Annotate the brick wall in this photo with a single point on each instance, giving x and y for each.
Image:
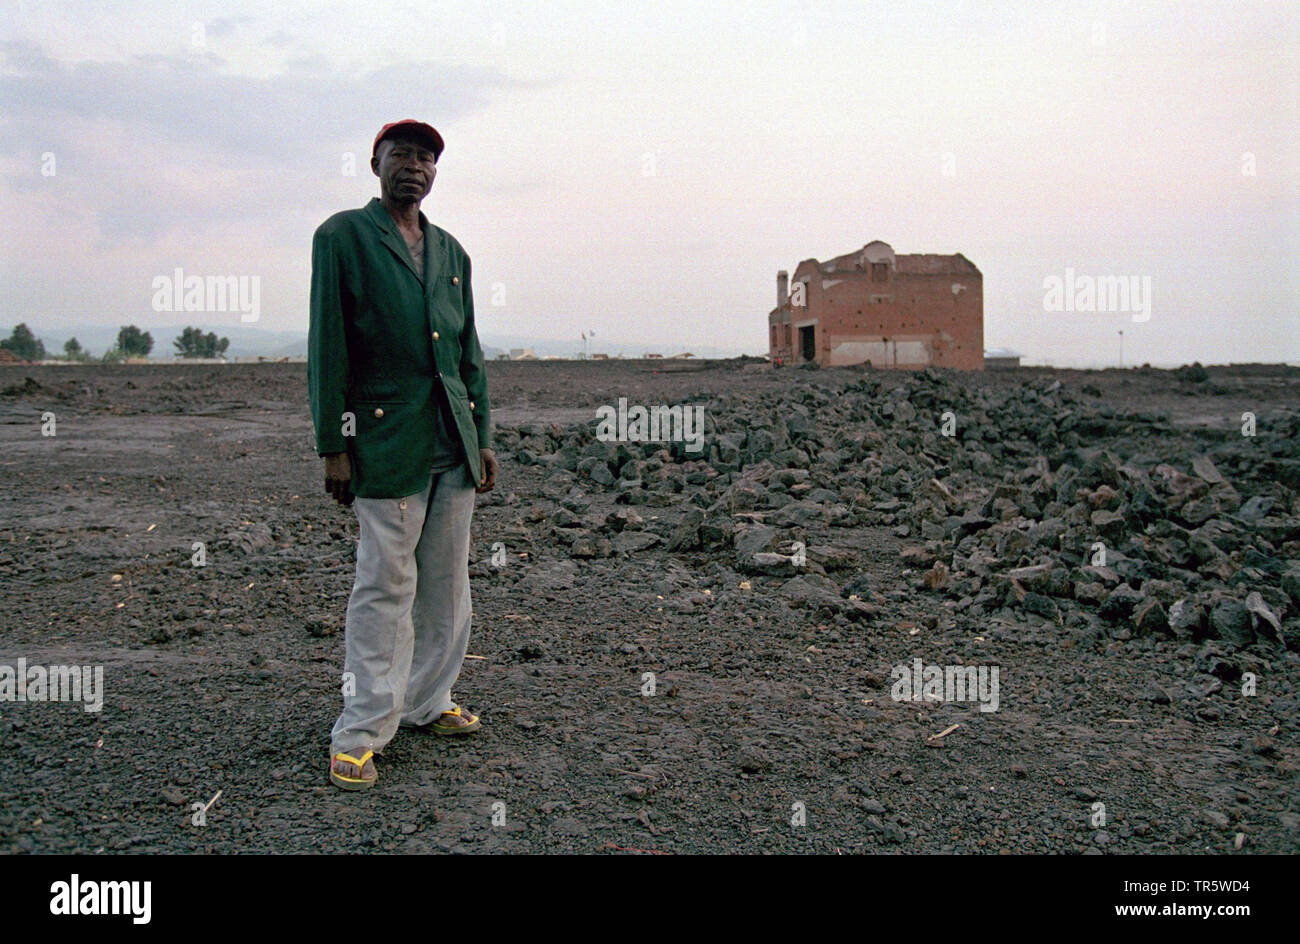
(890, 318)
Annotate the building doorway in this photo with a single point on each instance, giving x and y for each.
(807, 343)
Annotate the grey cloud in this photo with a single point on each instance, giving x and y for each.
(24, 56)
(286, 133)
(188, 99)
(225, 25)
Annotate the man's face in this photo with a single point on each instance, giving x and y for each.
(404, 165)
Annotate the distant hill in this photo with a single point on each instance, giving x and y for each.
(548, 347)
(251, 341)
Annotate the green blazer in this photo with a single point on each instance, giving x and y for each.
(384, 345)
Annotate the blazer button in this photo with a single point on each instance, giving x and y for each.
(471, 404)
(435, 335)
(379, 412)
(455, 280)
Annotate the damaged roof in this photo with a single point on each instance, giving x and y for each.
(918, 263)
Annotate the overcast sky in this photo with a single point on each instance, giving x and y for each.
(643, 170)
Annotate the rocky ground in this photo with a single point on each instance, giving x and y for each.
(1123, 546)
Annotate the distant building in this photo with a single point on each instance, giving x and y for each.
(9, 357)
(600, 357)
(653, 356)
(873, 305)
(999, 357)
(522, 354)
(680, 357)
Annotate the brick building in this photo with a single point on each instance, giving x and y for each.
(915, 310)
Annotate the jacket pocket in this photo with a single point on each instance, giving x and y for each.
(379, 421)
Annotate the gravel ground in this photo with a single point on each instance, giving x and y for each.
(829, 533)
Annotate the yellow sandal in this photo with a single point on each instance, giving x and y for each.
(353, 783)
(471, 723)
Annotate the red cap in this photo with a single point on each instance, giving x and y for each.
(429, 131)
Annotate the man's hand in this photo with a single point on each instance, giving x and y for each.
(490, 469)
(338, 475)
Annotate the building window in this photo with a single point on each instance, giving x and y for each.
(880, 271)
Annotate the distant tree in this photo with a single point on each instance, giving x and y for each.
(22, 343)
(73, 351)
(192, 342)
(133, 342)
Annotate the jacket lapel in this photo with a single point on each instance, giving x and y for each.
(433, 255)
(392, 238)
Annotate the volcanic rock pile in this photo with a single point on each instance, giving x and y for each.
(1030, 498)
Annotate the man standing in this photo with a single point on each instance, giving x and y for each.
(400, 406)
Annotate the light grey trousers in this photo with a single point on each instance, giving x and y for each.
(408, 616)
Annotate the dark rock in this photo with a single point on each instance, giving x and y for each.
(1217, 819)
(1120, 603)
(716, 533)
(1231, 622)
(1156, 694)
(624, 519)
(1041, 605)
(800, 513)
(753, 539)
(958, 528)
(816, 592)
(550, 576)
(1090, 593)
(1255, 508)
(1047, 533)
(1213, 660)
(597, 470)
(916, 555)
(1187, 618)
(769, 563)
(1149, 617)
(753, 759)
(1108, 524)
(630, 542)
(686, 535)
(588, 545)
(1264, 621)
(1291, 581)
(251, 539)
